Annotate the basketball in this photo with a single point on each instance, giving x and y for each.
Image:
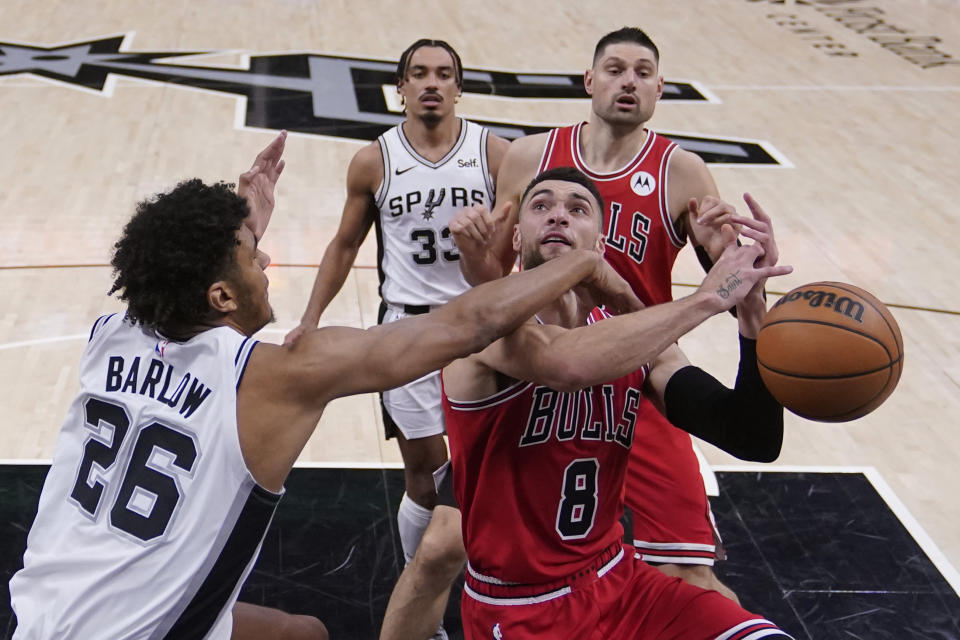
(830, 351)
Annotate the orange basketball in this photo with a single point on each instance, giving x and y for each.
(830, 351)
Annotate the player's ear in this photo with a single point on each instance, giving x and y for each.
(601, 244)
(221, 297)
(516, 238)
(588, 81)
(659, 87)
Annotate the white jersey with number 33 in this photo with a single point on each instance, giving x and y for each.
(149, 520)
(417, 258)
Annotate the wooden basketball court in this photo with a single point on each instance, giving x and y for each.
(855, 102)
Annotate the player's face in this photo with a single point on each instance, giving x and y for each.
(250, 284)
(430, 87)
(557, 216)
(624, 84)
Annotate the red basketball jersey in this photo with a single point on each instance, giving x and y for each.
(664, 488)
(538, 475)
(642, 243)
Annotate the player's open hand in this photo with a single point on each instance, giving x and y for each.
(473, 227)
(294, 334)
(257, 185)
(741, 269)
(760, 230)
(705, 218)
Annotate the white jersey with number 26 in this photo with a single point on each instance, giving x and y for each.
(149, 520)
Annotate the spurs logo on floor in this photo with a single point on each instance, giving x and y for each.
(329, 95)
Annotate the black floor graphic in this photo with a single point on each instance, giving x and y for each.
(821, 554)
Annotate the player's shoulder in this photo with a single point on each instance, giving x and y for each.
(366, 167)
(684, 163)
(368, 157)
(528, 149)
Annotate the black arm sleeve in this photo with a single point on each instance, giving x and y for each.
(745, 421)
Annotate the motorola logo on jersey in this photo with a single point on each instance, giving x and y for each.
(642, 183)
(333, 95)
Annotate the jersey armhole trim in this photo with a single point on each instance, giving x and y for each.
(547, 151)
(498, 398)
(384, 189)
(243, 357)
(100, 322)
(485, 166)
(665, 217)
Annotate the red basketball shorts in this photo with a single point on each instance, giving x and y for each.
(625, 598)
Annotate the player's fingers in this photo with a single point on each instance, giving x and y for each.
(483, 225)
(728, 235)
(503, 210)
(754, 234)
(774, 271)
(471, 231)
(755, 209)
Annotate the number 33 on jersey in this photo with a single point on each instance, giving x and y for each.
(418, 261)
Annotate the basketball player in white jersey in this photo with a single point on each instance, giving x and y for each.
(408, 185)
(173, 455)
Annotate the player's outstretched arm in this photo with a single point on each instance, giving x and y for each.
(285, 388)
(359, 212)
(571, 359)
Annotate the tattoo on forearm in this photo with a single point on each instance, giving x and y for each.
(732, 282)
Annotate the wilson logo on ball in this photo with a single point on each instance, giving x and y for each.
(847, 306)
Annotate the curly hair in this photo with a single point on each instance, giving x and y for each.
(173, 248)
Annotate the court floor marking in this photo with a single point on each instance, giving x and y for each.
(899, 509)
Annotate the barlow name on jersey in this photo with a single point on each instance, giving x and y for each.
(146, 384)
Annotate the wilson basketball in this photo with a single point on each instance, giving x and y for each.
(830, 351)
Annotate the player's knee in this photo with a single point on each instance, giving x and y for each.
(301, 627)
(423, 493)
(441, 553)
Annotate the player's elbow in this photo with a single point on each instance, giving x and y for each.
(764, 442)
(565, 375)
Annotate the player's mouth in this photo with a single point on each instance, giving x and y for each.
(556, 238)
(431, 99)
(627, 101)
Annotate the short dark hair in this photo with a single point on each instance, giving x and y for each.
(567, 174)
(427, 42)
(173, 248)
(626, 34)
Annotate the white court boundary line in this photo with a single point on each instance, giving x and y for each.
(913, 527)
(30, 343)
(899, 509)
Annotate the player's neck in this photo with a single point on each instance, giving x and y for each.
(567, 311)
(182, 334)
(606, 148)
(433, 141)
